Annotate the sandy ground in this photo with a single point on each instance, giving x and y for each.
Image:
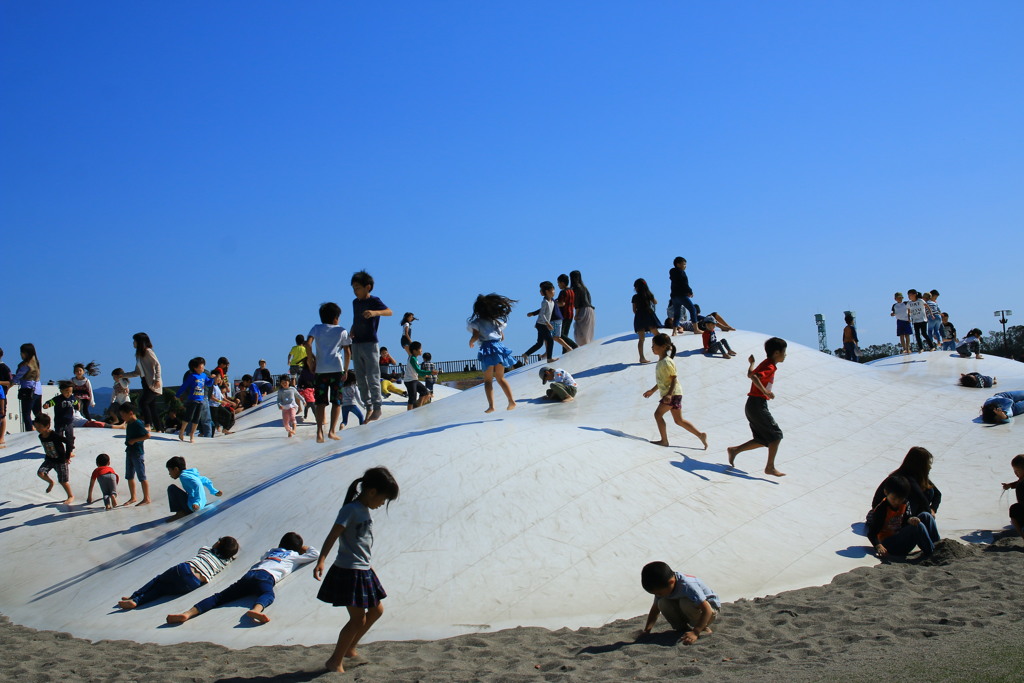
(956, 617)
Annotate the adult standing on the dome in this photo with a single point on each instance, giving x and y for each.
(30, 386)
(584, 309)
(147, 368)
(680, 294)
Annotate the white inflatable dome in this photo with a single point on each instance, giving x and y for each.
(539, 516)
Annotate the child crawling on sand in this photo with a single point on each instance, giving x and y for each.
(686, 601)
(187, 576)
(259, 581)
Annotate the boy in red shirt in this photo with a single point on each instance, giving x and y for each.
(108, 481)
(765, 430)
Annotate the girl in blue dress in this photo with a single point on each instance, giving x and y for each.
(490, 315)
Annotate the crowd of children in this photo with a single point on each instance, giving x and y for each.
(340, 367)
(931, 327)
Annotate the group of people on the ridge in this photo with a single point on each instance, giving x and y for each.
(921, 316)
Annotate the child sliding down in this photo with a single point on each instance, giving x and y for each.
(187, 576)
(259, 581)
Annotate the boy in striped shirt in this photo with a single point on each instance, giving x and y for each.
(187, 576)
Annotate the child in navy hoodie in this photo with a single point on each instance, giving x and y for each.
(64, 406)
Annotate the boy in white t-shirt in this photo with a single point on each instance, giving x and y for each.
(330, 363)
(902, 315)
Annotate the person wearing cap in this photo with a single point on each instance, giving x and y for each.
(563, 387)
(407, 330)
(262, 379)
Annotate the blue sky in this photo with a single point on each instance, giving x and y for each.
(210, 172)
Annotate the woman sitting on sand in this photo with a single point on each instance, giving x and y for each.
(916, 467)
(1002, 407)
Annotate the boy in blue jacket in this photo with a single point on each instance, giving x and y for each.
(193, 498)
(195, 384)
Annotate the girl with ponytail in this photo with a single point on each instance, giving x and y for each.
(351, 581)
(671, 391)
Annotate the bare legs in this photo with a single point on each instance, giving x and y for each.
(497, 372)
(335, 416)
(359, 622)
(677, 416)
(131, 491)
(65, 485)
(726, 327)
(640, 343)
(905, 342)
(319, 411)
(773, 448)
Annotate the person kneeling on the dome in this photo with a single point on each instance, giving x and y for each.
(563, 387)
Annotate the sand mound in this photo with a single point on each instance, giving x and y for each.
(954, 622)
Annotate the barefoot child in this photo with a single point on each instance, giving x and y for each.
(644, 317)
(55, 456)
(351, 581)
(414, 376)
(333, 353)
(193, 497)
(763, 427)
(64, 406)
(289, 401)
(490, 315)
(367, 311)
(135, 455)
(686, 601)
(120, 395)
(259, 581)
(187, 576)
(82, 387)
(546, 331)
(901, 311)
(108, 480)
(671, 391)
(1017, 509)
(195, 384)
(712, 344)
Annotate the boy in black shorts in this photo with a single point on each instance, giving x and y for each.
(55, 456)
(763, 427)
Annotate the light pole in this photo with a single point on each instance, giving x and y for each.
(1003, 315)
